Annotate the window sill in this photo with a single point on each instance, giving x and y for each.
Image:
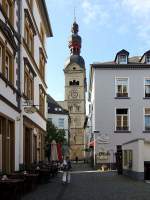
(122, 97)
(122, 131)
(148, 131)
(146, 97)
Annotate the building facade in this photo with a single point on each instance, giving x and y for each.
(58, 116)
(75, 89)
(24, 28)
(9, 84)
(119, 94)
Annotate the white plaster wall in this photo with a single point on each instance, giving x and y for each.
(104, 104)
(137, 148)
(55, 119)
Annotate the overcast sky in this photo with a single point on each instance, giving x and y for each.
(106, 27)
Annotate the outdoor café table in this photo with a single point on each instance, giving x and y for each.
(30, 181)
(10, 189)
(44, 175)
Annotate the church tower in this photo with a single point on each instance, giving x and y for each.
(75, 89)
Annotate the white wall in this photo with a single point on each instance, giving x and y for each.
(138, 153)
(55, 120)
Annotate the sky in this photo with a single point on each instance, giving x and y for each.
(106, 27)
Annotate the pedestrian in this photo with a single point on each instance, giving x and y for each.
(66, 170)
(76, 159)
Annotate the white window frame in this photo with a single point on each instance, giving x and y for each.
(145, 78)
(144, 118)
(1, 57)
(61, 122)
(122, 62)
(128, 119)
(147, 59)
(7, 66)
(116, 89)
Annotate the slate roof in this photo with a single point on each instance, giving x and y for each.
(54, 107)
(75, 59)
(131, 60)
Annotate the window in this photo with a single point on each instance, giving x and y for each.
(9, 9)
(121, 87)
(74, 82)
(29, 34)
(42, 64)
(147, 119)
(28, 83)
(122, 119)
(42, 35)
(7, 65)
(9, 71)
(148, 59)
(127, 161)
(61, 123)
(50, 119)
(42, 100)
(147, 87)
(122, 59)
(1, 55)
(30, 3)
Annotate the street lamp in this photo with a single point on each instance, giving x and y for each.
(95, 132)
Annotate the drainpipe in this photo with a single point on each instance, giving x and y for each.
(20, 81)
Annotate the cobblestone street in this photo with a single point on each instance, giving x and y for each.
(92, 186)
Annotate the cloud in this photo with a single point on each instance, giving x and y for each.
(94, 12)
(138, 7)
(140, 16)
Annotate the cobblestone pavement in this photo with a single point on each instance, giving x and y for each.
(92, 186)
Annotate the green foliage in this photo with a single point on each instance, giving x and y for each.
(53, 133)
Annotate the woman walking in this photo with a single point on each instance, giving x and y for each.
(66, 170)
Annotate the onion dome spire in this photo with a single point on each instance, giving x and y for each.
(75, 40)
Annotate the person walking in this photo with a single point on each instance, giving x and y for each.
(76, 159)
(66, 170)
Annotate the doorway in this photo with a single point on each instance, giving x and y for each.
(28, 145)
(147, 170)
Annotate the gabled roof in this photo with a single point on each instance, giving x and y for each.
(146, 53)
(123, 51)
(54, 107)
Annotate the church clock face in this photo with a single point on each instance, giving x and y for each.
(74, 93)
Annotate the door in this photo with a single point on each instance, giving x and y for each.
(147, 170)
(119, 159)
(0, 144)
(28, 150)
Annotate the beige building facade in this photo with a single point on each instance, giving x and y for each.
(75, 89)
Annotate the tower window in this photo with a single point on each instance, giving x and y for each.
(74, 82)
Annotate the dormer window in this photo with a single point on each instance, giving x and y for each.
(122, 59)
(148, 59)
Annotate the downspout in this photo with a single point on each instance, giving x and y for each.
(20, 82)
